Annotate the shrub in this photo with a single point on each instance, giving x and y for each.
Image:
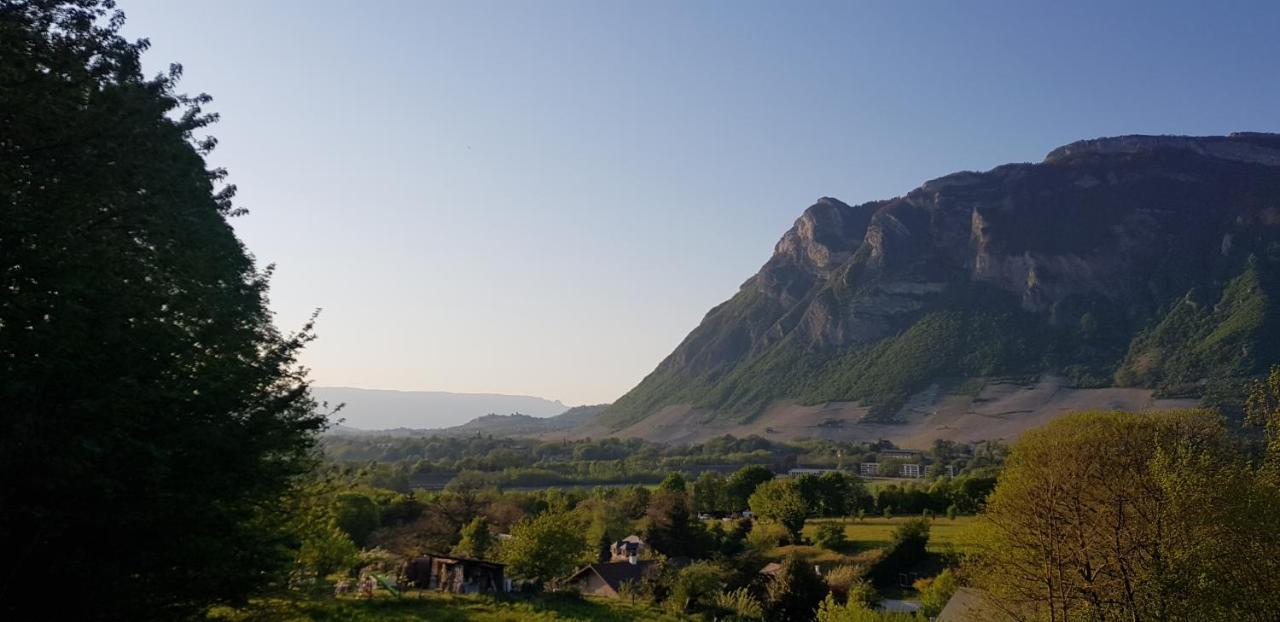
(740, 604)
(767, 535)
(830, 536)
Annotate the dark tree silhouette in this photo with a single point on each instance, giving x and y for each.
(151, 415)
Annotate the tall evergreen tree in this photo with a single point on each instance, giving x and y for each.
(152, 414)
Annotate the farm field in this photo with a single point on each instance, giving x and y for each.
(945, 535)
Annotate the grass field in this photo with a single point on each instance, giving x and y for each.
(945, 535)
(442, 608)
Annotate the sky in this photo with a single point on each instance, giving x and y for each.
(544, 198)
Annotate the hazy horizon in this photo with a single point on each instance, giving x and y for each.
(544, 198)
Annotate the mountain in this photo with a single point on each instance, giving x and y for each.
(372, 409)
(1115, 273)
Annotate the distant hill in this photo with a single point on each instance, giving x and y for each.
(492, 425)
(377, 409)
(524, 425)
(1146, 264)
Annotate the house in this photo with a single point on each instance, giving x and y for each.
(626, 548)
(868, 469)
(608, 579)
(458, 575)
(911, 470)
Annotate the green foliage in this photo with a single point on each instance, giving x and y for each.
(1263, 410)
(935, 592)
(830, 536)
(439, 607)
(323, 548)
(696, 584)
(743, 483)
(740, 604)
(544, 548)
(912, 536)
(477, 541)
(674, 482)
(710, 493)
(139, 367)
(1199, 537)
(357, 515)
(853, 611)
(766, 535)
(831, 494)
(1219, 343)
(794, 592)
(780, 501)
(669, 526)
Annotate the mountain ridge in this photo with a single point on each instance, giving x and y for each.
(1066, 266)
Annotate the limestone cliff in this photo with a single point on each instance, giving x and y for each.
(1143, 260)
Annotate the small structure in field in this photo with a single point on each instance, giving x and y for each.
(457, 575)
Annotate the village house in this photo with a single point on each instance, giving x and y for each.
(457, 575)
(607, 579)
(626, 548)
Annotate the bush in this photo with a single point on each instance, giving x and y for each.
(740, 604)
(766, 535)
(935, 592)
(830, 536)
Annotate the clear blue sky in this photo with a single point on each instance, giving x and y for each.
(545, 197)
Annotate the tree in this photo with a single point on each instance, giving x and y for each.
(139, 366)
(695, 584)
(544, 548)
(794, 592)
(911, 539)
(710, 492)
(1126, 516)
(1262, 409)
(668, 525)
(673, 482)
(357, 515)
(742, 484)
(779, 501)
(477, 541)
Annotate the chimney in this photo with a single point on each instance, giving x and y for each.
(633, 559)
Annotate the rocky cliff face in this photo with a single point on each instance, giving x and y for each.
(1070, 265)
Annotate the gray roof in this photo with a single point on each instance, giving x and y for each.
(964, 606)
(616, 573)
